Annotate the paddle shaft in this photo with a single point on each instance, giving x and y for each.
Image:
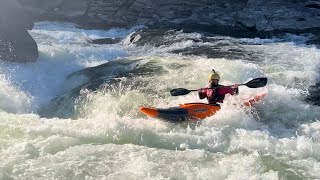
(254, 83)
(216, 87)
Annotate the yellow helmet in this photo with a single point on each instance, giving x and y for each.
(213, 76)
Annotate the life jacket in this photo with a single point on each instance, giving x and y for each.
(217, 93)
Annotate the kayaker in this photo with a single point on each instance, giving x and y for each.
(214, 92)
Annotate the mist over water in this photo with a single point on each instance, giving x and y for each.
(74, 114)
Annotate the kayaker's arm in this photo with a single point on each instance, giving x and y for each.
(201, 94)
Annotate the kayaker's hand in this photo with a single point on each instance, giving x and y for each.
(200, 90)
(236, 85)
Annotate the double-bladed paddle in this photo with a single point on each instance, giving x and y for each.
(254, 83)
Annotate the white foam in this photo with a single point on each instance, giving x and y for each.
(278, 138)
(12, 99)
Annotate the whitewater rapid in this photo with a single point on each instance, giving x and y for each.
(106, 137)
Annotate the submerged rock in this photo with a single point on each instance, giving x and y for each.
(105, 41)
(314, 94)
(201, 45)
(80, 84)
(314, 40)
(314, 91)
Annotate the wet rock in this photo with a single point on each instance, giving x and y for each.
(313, 4)
(314, 94)
(100, 78)
(253, 15)
(217, 47)
(314, 40)
(157, 37)
(105, 41)
(314, 91)
(16, 44)
(18, 47)
(55, 10)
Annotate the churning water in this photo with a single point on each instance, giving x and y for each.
(74, 114)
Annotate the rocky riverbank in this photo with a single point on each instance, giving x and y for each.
(246, 18)
(252, 15)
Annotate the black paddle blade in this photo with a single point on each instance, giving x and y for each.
(179, 92)
(256, 83)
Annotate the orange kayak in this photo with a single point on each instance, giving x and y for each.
(192, 111)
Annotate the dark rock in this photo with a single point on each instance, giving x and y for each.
(16, 44)
(100, 78)
(105, 41)
(253, 15)
(313, 4)
(314, 94)
(314, 40)
(156, 37)
(55, 10)
(215, 52)
(18, 47)
(217, 47)
(13, 16)
(314, 91)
